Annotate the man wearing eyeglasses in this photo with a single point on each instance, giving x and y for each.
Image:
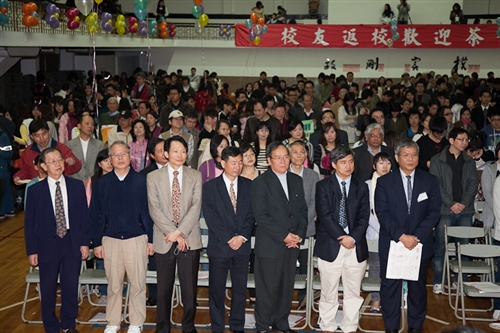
(39, 133)
(457, 176)
(280, 211)
(121, 231)
(363, 155)
(55, 222)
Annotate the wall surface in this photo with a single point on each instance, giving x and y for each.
(249, 62)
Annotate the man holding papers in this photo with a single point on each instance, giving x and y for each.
(407, 203)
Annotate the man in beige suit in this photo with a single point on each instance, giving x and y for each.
(174, 196)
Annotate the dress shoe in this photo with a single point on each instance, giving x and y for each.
(237, 331)
(151, 302)
(193, 331)
(289, 330)
(414, 330)
(391, 331)
(70, 330)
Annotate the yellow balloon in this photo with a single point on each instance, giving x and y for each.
(120, 18)
(256, 41)
(56, 15)
(136, 25)
(110, 21)
(203, 19)
(77, 19)
(98, 1)
(120, 31)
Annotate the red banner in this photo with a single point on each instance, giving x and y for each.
(456, 36)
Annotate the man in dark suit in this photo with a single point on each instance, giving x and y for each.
(157, 155)
(260, 114)
(54, 230)
(350, 82)
(228, 212)
(363, 155)
(408, 206)
(281, 214)
(343, 208)
(480, 114)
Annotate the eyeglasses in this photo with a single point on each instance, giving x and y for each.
(119, 155)
(58, 161)
(463, 139)
(378, 117)
(408, 156)
(281, 158)
(373, 136)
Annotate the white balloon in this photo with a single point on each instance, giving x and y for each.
(84, 6)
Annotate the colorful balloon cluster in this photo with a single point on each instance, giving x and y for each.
(73, 18)
(153, 28)
(120, 24)
(173, 30)
(198, 12)
(163, 29)
(498, 23)
(92, 24)
(143, 28)
(394, 31)
(52, 17)
(225, 30)
(140, 10)
(106, 21)
(4, 17)
(30, 18)
(133, 25)
(257, 30)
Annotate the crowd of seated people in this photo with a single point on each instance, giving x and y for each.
(322, 114)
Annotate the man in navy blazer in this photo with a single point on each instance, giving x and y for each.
(408, 206)
(343, 209)
(57, 249)
(227, 207)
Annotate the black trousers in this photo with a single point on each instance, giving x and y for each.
(187, 264)
(274, 280)
(390, 297)
(67, 266)
(218, 269)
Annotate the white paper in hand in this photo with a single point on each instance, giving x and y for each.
(403, 263)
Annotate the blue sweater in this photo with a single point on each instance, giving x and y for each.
(119, 209)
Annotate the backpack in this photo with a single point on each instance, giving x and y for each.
(38, 97)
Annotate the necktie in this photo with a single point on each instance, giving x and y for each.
(176, 198)
(232, 195)
(408, 187)
(343, 214)
(60, 215)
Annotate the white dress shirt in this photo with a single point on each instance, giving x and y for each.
(284, 184)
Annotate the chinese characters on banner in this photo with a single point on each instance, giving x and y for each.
(464, 36)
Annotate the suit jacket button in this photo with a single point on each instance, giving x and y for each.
(290, 216)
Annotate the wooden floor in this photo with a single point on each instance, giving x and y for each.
(14, 266)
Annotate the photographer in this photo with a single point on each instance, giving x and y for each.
(403, 12)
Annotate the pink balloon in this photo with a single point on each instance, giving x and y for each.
(72, 25)
(172, 34)
(173, 26)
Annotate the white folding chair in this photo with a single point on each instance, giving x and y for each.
(468, 267)
(484, 289)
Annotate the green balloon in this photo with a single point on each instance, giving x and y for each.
(498, 32)
(141, 4)
(395, 37)
(196, 11)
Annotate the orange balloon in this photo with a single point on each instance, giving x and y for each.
(25, 20)
(163, 26)
(197, 2)
(32, 6)
(3, 10)
(163, 34)
(261, 21)
(254, 17)
(26, 9)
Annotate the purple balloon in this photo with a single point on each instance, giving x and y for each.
(106, 16)
(251, 35)
(50, 9)
(143, 24)
(54, 25)
(143, 31)
(228, 33)
(221, 33)
(107, 27)
(58, 11)
(202, 8)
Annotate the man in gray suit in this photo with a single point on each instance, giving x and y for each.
(298, 154)
(174, 197)
(86, 148)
